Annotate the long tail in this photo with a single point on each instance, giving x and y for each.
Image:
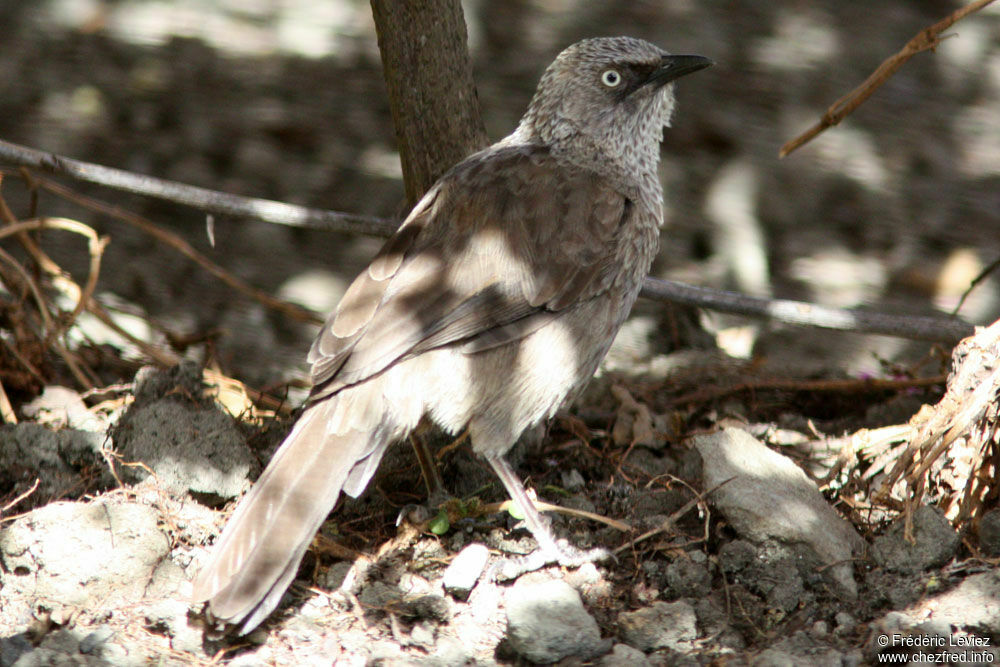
(336, 441)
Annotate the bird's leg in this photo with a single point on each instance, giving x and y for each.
(549, 550)
(436, 493)
(431, 474)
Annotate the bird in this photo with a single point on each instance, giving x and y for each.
(488, 310)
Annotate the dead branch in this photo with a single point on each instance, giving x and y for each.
(209, 201)
(926, 39)
(849, 387)
(938, 329)
(66, 285)
(180, 245)
(7, 415)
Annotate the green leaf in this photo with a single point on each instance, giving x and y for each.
(440, 524)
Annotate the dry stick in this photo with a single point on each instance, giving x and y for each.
(209, 201)
(848, 386)
(699, 499)
(936, 329)
(542, 506)
(95, 246)
(92, 305)
(44, 261)
(926, 39)
(28, 366)
(7, 415)
(958, 425)
(46, 264)
(944, 425)
(36, 293)
(79, 228)
(971, 501)
(181, 246)
(163, 357)
(975, 281)
(11, 504)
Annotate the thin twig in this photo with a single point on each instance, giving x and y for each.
(975, 281)
(44, 261)
(96, 245)
(36, 293)
(542, 506)
(28, 366)
(21, 497)
(926, 39)
(165, 358)
(699, 499)
(182, 246)
(75, 367)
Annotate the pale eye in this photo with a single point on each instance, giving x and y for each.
(611, 78)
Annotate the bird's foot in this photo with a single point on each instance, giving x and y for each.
(563, 553)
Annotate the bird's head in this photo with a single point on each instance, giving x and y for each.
(608, 91)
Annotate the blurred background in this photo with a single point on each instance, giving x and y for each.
(897, 209)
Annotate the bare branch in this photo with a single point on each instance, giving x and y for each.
(926, 39)
(209, 201)
(938, 329)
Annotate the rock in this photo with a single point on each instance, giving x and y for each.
(663, 625)
(572, 480)
(13, 647)
(965, 618)
(764, 495)
(62, 407)
(973, 604)
(97, 638)
(936, 543)
(450, 652)
(714, 619)
(53, 457)
(803, 649)
(465, 569)
(82, 555)
(547, 622)
(165, 608)
(989, 533)
(336, 574)
(79, 646)
(379, 595)
(688, 579)
(188, 446)
(845, 623)
(623, 655)
(770, 570)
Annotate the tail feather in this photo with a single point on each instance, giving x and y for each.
(260, 549)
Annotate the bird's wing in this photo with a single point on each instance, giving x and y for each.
(497, 248)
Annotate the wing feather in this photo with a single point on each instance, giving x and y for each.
(499, 247)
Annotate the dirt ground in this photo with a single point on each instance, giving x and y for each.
(723, 450)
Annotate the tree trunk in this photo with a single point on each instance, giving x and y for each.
(435, 107)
